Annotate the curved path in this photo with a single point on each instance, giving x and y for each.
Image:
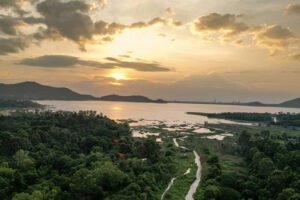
(194, 186)
(169, 186)
(196, 183)
(177, 145)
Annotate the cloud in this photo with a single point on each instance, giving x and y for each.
(16, 5)
(215, 22)
(273, 36)
(12, 45)
(61, 61)
(103, 3)
(165, 21)
(292, 9)
(54, 61)
(104, 28)
(59, 20)
(72, 20)
(8, 25)
(227, 28)
(69, 19)
(51, 61)
(156, 21)
(139, 66)
(275, 32)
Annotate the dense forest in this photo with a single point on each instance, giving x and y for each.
(84, 156)
(283, 119)
(270, 170)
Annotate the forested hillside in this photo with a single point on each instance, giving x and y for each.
(84, 156)
(7, 104)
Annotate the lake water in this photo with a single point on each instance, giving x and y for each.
(170, 112)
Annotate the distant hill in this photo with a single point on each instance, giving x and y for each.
(36, 91)
(254, 103)
(134, 98)
(295, 103)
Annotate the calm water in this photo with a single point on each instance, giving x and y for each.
(161, 112)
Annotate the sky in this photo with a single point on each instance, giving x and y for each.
(196, 50)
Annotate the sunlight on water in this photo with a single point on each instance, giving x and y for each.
(175, 113)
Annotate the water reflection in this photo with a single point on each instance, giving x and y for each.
(162, 112)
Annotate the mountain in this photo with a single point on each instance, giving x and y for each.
(36, 91)
(134, 98)
(295, 103)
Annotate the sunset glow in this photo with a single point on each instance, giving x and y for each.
(193, 50)
(118, 76)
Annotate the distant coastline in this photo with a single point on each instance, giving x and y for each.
(38, 92)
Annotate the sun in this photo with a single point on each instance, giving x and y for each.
(118, 76)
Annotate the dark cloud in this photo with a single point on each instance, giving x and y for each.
(8, 25)
(12, 39)
(139, 66)
(12, 45)
(217, 22)
(51, 61)
(69, 19)
(71, 61)
(59, 61)
(292, 9)
(15, 4)
(32, 20)
(103, 28)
